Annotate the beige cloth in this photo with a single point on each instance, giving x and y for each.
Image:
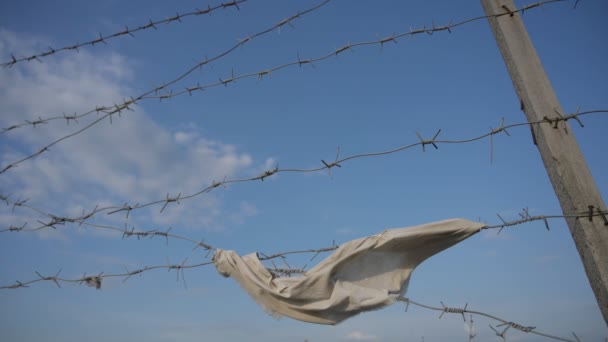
(361, 275)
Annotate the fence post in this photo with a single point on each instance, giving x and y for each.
(563, 159)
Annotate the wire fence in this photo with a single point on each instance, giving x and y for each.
(152, 93)
(54, 220)
(126, 105)
(96, 280)
(503, 323)
(127, 232)
(108, 112)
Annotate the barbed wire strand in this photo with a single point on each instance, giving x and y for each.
(590, 214)
(126, 32)
(525, 217)
(54, 220)
(96, 280)
(462, 311)
(118, 108)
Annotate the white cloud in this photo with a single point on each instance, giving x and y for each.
(246, 210)
(132, 160)
(185, 137)
(360, 336)
(270, 163)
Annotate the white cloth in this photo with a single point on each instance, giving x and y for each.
(361, 275)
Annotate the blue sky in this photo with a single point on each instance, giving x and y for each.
(364, 100)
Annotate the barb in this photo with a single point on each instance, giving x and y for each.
(424, 142)
(153, 94)
(472, 335)
(267, 173)
(59, 219)
(127, 31)
(335, 163)
(108, 111)
(509, 324)
(502, 333)
(496, 131)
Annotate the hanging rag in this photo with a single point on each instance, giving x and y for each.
(361, 275)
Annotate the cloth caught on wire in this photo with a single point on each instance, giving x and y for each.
(361, 275)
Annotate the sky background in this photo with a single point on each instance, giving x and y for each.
(364, 100)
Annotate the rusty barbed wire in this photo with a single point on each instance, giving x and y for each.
(126, 32)
(462, 311)
(54, 219)
(118, 108)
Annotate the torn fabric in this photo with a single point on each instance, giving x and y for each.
(361, 275)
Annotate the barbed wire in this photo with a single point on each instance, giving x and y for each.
(130, 231)
(126, 32)
(525, 217)
(96, 282)
(117, 109)
(126, 105)
(462, 311)
(97, 279)
(54, 219)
